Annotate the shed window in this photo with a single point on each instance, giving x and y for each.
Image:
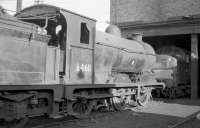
(85, 34)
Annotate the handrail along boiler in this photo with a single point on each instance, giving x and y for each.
(53, 61)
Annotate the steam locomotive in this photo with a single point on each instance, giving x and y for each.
(176, 79)
(53, 61)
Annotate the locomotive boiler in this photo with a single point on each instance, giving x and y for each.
(53, 61)
(121, 56)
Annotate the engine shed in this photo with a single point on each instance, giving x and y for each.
(180, 31)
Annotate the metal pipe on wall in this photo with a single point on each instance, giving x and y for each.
(19, 5)
(194, 66)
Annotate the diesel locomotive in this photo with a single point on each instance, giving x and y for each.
(54, 62)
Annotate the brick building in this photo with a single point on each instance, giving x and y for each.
(162, 23)
(151, 10)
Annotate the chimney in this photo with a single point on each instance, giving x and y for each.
(36, 2)
(19, 6)
(137, 36)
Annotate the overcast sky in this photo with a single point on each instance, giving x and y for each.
(97, 9)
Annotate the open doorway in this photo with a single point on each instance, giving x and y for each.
(178, 46)
(182, 41)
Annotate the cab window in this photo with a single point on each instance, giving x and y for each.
(85, 34)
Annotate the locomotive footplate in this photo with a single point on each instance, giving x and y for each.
(116, 96)
(70, 90)
(143, 84)
(99, 96)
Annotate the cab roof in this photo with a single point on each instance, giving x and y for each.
(45, 10)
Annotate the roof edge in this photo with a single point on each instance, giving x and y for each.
(170, 21)
(56, 8)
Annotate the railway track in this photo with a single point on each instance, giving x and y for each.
(126, 118)
(68, 121)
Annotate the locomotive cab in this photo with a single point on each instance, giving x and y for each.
(54, 25)
(70, 48)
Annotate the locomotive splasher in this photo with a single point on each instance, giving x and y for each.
(55, 65)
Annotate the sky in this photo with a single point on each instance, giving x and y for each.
(96, 9)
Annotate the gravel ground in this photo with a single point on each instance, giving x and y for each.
(139, 117)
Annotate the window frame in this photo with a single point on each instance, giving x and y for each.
(85, 33)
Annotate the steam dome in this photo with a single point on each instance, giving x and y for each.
(114, 30)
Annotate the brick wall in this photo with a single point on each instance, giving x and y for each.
(171, 8)
(151, 10)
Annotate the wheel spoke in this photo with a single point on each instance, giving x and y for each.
(118, 103)
(144, 96)
(80, 109)
(76, 107)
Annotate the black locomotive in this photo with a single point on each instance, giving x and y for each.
(53, 61)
